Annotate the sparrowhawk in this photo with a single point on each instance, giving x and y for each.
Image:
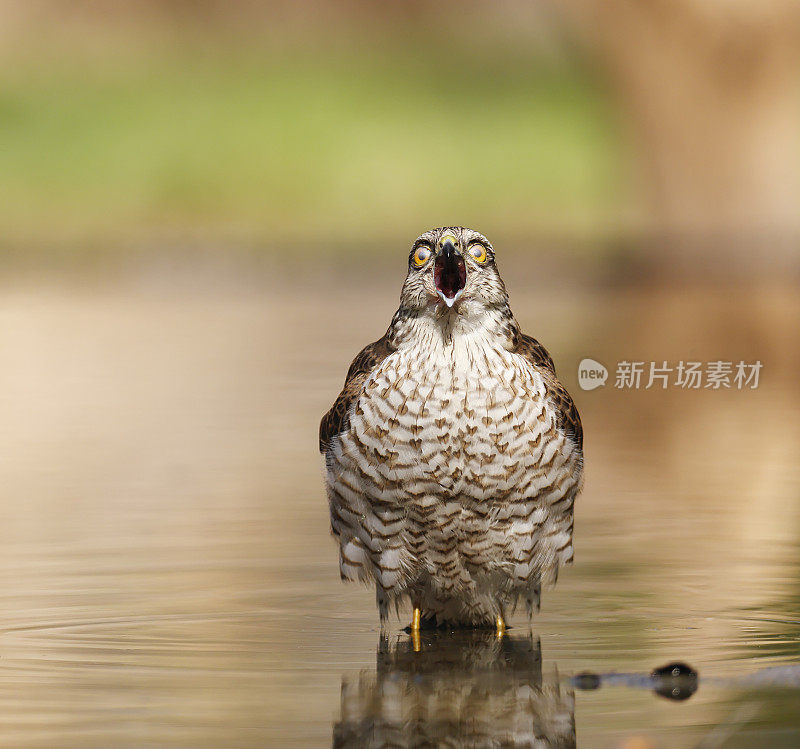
(453, 454)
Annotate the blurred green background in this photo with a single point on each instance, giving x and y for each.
(336, 125)
(161, 122)
(354, 139)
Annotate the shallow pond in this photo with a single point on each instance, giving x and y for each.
(167, 577)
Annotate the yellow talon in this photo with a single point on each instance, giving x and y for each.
(501, 627)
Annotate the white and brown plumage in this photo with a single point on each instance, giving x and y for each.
(453, 454)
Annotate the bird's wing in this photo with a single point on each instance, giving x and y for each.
(534, 352)
(569, 419)
(337, 419)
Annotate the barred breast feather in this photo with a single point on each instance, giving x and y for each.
(452, 467)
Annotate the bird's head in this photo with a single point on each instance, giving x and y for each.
(451, 271)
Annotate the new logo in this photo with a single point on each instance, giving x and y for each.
(591, 374)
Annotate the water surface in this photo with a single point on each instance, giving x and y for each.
(167, 577)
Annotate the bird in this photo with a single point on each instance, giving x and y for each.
(453, 454)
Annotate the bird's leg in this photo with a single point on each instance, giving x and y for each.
(500, 625)
(416, 618)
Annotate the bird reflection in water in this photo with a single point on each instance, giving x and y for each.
(463, 688)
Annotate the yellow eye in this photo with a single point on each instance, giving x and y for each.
(478, 251)
(421, 255)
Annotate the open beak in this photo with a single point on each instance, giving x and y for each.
(449, 272)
